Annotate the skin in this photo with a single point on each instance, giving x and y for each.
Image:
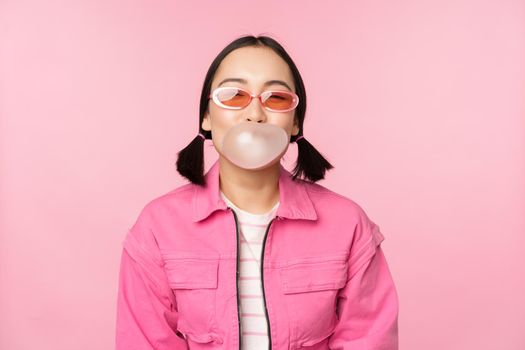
(253, 190)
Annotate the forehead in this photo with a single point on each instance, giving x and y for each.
(255, 64)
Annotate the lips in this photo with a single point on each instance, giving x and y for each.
(252, 145)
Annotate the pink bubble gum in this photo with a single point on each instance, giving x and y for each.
(252, 145)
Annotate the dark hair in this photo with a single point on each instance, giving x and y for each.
(310, 165)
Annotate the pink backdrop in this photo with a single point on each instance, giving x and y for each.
(419, 105)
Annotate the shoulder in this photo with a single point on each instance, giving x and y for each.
(345, 212)
(324, 198)
(170, 203)
(365, 235)
(141, 239)
(157, 212)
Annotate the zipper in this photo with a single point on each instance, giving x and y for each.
(237, 272)
(262, 280)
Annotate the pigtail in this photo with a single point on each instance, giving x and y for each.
(310, 165)
(190, 161)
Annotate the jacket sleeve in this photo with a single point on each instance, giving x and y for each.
(146, 307)
(367, 306)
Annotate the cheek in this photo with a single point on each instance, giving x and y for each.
(220, 117)
(221, 121)
(285, 121)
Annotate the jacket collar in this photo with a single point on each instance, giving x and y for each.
(293, 197)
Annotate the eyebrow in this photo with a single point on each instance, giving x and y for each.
(244, 81)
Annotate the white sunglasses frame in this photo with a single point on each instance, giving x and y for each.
(215, 99)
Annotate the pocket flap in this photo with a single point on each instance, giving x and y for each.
(192, 273)
(309, 277)
(198, 338)
(319, 339)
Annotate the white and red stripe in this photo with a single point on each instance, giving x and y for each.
(253, 319)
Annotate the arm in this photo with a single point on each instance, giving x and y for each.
(146, 307)
(368, 305)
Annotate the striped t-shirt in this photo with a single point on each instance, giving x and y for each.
(252, 228)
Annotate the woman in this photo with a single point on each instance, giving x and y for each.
(250, 255)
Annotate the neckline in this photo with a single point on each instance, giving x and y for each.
(247, 213)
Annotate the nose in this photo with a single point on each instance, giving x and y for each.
(255, 111)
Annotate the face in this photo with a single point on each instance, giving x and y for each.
(256, 65)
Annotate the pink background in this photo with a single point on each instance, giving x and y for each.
(418, 104)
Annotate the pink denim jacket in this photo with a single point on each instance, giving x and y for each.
(326, 283)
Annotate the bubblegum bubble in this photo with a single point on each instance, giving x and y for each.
(251, 145)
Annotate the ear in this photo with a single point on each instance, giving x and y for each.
(206, 124)
(295, 129)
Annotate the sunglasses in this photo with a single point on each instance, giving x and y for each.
(237, 98)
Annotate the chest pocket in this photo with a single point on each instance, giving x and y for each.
(194, 282)
(310, 289)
